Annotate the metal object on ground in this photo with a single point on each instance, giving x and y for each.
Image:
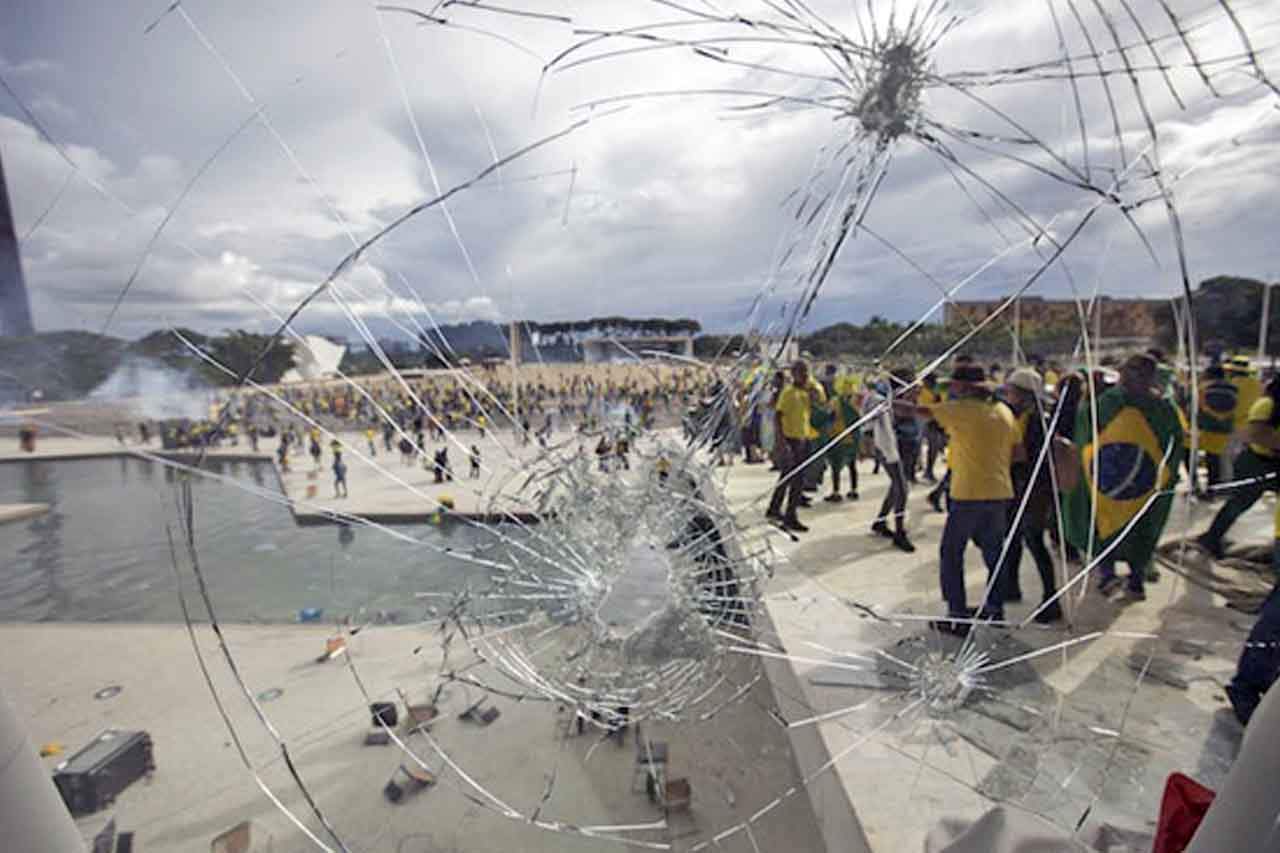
(93, 777)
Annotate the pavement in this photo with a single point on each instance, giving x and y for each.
(201, 788)
(21, 512)
(1082, 734)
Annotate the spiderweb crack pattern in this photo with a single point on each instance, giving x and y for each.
(547, 618)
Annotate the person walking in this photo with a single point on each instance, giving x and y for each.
(1260, 659)
(475, 462)
(1126, 473)
(983, 442)
(339, 475)
(880, 399)
(1256, 469)
(1215, 416)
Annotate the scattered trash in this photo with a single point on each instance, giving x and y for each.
(52, 748)
(333, 647)
(415, 778)
(480, 716)
(270, 693)
(310, 614)
(111, 691)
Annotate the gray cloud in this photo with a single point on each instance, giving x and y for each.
(677, 205)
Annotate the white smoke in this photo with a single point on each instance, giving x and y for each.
(154, 391)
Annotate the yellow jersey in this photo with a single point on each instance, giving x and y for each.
(793, 407)
(982, 437)
(1248, 391)
(1260, 413)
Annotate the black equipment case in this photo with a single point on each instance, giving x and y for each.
(112, 761)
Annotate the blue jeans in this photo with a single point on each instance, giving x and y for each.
(1260, 661)
(984, 522)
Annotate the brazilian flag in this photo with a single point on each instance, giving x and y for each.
(831, 420)
(1138, 448)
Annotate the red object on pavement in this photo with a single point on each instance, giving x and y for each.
(1182, 807)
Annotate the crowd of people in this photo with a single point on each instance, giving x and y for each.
(1089, 458)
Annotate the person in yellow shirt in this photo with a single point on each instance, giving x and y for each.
(934, 438)
(984, 443)
(792, 410)
(1248, 390)
(1256, 469)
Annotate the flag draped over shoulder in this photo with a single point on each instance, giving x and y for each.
(1138, 448)
(832, 420)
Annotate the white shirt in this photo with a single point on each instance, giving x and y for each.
(886, 443)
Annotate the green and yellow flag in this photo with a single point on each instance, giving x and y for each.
(1137, 451)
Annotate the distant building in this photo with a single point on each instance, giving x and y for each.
(15, 307)
(1121, 319)
(597, 350)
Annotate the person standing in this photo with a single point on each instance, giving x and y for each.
(833, 422)
(1127, 471)
(792, 412)
(475, 462)
(1256, 469)
(1215, 416)
(370, 436)
(1033, 493)
(983, 443)
(879, 400)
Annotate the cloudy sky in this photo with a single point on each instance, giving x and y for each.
(270, 136)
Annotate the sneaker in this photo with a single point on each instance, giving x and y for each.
(935, 501)
(833, 499)
(851, 495)
(1049, 615)
(902, 543)
(946, 626)
(773, 514)
(1210, 544)
(794, 525)
(1106, 586)
(1152, 574)
(1135, 593)
(804, 502)
(882, 529)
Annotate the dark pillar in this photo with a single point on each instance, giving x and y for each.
(15, 308)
